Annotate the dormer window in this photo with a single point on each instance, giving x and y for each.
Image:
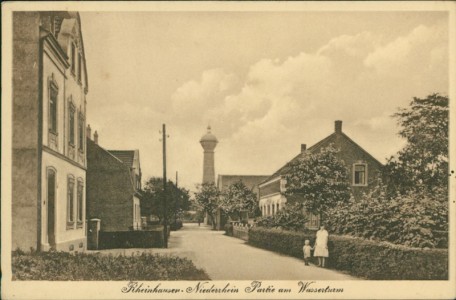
(73, 58)
(360, 174)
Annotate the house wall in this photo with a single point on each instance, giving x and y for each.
(110, 194)
(136, 213)
(68, 238)
(352, 154)
(268, 202)
(36, 63)
(26, 130)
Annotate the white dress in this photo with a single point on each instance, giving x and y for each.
(321, 244)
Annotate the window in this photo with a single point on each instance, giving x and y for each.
(53, 93)
(70, 201)
(359, 174)
(81, 133)
(79, 67)
(80, 202)
(71, 125)
(73, 58)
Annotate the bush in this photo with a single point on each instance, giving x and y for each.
(82, 266)
(359, 257)
(131, 239)
(176, 225)
(417, 219)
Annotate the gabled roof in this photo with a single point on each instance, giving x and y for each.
(126, 156)
(250, 181)
(98, 153)
(332, 138)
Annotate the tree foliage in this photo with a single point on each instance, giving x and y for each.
(424, 160)
(318, 180)
(412, 209)
(418, 218)
(291, 217)
(177, 199)
(237, 198)
(207, 199)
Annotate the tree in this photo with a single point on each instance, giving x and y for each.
(207, 198)
(152, 201)
(318, 180)
(424, 160)
(237, 198)
(417, 218)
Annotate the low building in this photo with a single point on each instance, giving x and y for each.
(364, 172)
(113, 187)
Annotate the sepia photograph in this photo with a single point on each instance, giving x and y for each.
(221, 150)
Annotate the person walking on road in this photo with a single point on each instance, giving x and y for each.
(321, 246)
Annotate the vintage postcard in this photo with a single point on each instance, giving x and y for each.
(228, 150)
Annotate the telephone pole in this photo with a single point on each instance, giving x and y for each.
(165, 217)
(177, 201)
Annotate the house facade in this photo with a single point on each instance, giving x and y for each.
(364, 172)
(50, 86)
(113, 187)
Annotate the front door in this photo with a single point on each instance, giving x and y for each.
(51, 208)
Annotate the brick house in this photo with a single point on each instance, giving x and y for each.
(113, 187)
(364, 172)
(50, 85)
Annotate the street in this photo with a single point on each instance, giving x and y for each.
(229, 258)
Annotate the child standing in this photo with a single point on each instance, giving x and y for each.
(306, 249)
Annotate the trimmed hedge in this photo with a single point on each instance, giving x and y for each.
(359, 257)
(131, 239)
(83, 266)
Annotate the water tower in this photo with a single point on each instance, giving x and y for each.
(208, 142)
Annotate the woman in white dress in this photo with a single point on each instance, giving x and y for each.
(321, 246)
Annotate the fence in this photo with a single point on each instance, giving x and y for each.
(241, 231)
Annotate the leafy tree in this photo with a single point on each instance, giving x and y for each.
(318, 180)
(178, 200)
(418, 218)
(237, 198)
(207, 199)
(424, 160)
(291, 217)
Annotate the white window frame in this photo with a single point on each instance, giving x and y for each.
(365, 174)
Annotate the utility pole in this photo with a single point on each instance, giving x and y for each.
(165, 217)
(177, 201)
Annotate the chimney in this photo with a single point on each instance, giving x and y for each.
(338, 126)
(95, 137)
(89, 132)
(303, 147)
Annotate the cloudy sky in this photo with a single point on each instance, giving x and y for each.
(265, 81)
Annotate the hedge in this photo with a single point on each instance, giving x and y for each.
(131, 239)
(83, 266)
(359, 257)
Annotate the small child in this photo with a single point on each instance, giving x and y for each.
(306, 249)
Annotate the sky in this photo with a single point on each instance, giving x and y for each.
(266, 82)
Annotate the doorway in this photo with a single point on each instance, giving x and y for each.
(51, 207)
